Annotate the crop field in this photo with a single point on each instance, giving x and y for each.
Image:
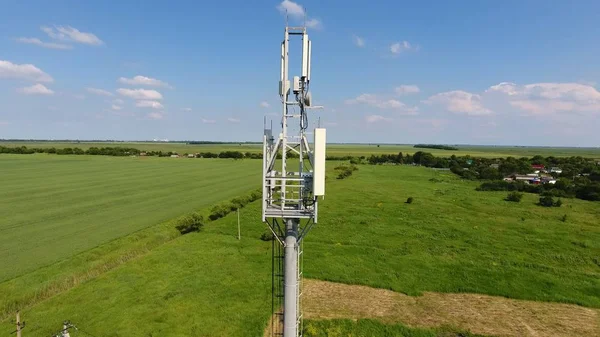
(451, 239)
(334, 149)
(56, 206)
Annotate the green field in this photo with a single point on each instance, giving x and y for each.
(54, 207)
(450, 239)
(336, 149)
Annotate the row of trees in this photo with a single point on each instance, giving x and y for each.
(128, 151)
(435, 146)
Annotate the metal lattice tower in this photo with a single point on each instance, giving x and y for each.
(290, 194)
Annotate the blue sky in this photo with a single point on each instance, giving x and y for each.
(476, 72)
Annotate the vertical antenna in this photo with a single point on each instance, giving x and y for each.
(304, 17)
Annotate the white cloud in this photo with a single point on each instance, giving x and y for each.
(508, 88)
(359, 41)
(400, 47)
(374, 100)
(407, 89)
(23, 72)
(149, 104)
(118, 101)
(291, 8)
(116, 107)
(548, 98)
(155, 115)
(144, 81)
(295, 11)
(140, 94)
(3, 123)
(99, 92)
(377, 118)
(233, 120)
(186, 109)
(313, 23)
(208, 121)
(36, 89)
(461, 102)
(265, 104)
(38, 42)
(68, 33)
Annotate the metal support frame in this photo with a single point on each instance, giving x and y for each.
(287, 193)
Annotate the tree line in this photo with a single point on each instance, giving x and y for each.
(129, 151)
(435, 146)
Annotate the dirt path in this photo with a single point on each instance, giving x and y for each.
(482, 314)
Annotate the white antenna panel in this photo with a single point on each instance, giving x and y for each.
(319, 162)
(309, 54)
(305, 55)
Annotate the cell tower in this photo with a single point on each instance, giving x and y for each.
(291, 191)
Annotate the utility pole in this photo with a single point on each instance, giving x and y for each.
(290, 196)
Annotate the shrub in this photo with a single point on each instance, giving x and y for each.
(514, 197)
(190, 223)
(563, 218)
(345, 171)
(409, 200)
(548, 201)
(267, 236)
(219, 211)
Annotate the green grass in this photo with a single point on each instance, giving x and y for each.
(450, 239)
(54, 207)
(453, 239)
(336, 149)
(372, 328)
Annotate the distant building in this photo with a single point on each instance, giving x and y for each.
(142, 153)
(191, 155)
(556, 170)
(523, 177)
(174, 156)
(538, 167)
(496, 166)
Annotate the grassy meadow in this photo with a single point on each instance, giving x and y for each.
(450, 239)
(333, 149)
(56, 206)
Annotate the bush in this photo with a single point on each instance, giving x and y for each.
(548, 201)
(514, 197)
(190, 223)
(563, 218)
(409, 200)
(267, 236)
(345, 171)
(223, 209)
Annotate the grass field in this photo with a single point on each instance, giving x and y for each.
(338, 149)
(54, 207)
(371, 328)
(450, 239)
